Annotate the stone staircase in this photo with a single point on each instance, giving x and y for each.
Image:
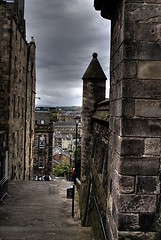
(40, 210)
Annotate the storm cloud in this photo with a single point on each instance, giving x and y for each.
(66, 34)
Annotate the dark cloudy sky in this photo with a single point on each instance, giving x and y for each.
(66, 33)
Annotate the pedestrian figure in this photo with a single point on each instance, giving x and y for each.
(73, 174)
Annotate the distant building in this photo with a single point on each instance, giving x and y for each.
(17, 91)
(60, 155)
(65, 134)
(43, 142)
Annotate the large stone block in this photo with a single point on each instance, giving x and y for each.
(128, 222)
(130, 69)
(148, 222)
(148, 108)
(136, 203)
(132, 147)
(117, 32)
(115, 141)
(141, 89)
(152, 146)
(117, 58)
(150, 31)
(142, 13)
(141, 127)
(142, 50)
(148, 185)
(125, 184)
(128, 107)
(115, 125)
(116, 91)
(116, 108)
(129, 30)
(149, 69)
(133, 166)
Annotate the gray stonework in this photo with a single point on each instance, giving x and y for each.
(136, 126)
(131, 184)
(94, 154)
(17, 91)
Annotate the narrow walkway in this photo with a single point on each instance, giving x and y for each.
(39, 210)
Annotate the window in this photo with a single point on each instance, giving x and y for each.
(42, 122)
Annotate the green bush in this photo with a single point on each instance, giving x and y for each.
(62, 169)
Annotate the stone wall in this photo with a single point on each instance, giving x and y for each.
(95, 212)
(94, 151)
(17, 86)
(30, 109)
(134, 140)
(132, 178)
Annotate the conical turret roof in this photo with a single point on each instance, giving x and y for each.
(94, 70)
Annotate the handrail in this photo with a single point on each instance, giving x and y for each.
(97, 208)
(3, 189)
(100, 218)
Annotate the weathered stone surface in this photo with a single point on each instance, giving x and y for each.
(142, 51)
(18, 88)
(117, 58)
(93, 154)
(144, 31)
(148, 222)
(132, 147)
(116, 91)
(148, 185)
(152, 146)
(142, 13)
(128, 107)
(116, 108)
(128, 222)
(126, 184)
(141, 88)
(141, 127)
(136, 203)
(137, 166)
(135, 121)
(116, 141)
(148, 108)
(149, 70)
(138, 236)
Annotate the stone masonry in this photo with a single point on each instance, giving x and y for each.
(133, 170)
(94, 146)
(17, 88)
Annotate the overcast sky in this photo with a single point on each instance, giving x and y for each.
(66, 34)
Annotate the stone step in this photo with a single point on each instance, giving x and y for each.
(24, 233)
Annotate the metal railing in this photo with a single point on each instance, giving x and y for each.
(100, 219)
(3, 189)
(96, 204)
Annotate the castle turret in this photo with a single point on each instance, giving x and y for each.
(94, 88)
